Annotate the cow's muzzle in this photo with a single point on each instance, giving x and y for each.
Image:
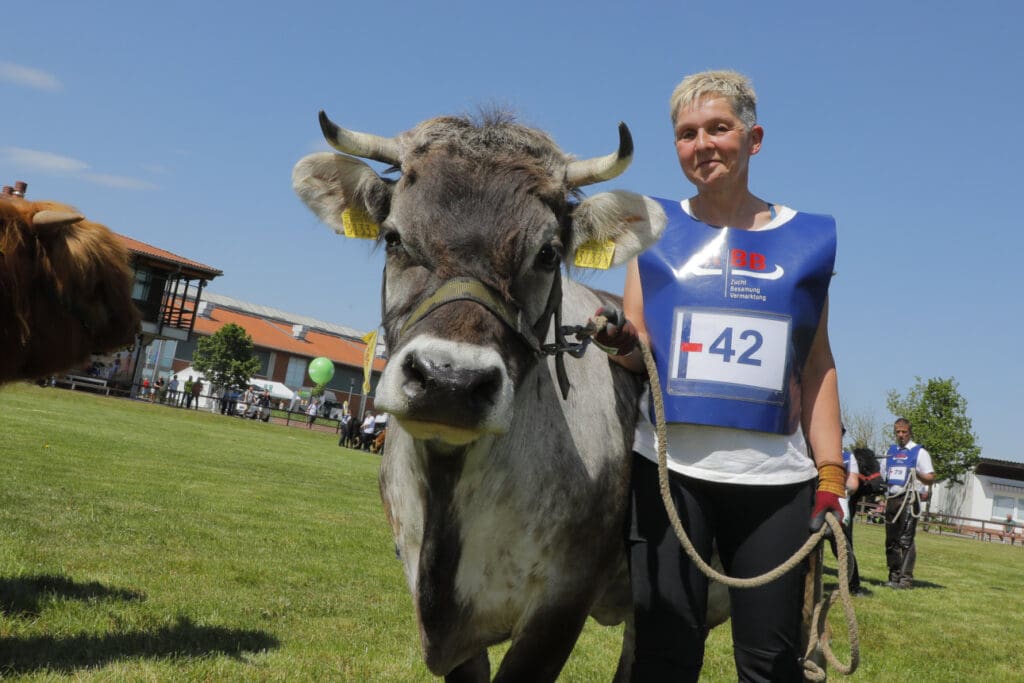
(532, 335)
(448, 391)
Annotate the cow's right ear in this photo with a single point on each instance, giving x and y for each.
(632, 221)
(330, 183)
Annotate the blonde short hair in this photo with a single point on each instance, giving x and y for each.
(731, 85)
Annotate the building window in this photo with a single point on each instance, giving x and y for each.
(264, 358)
(1004, 505)
(143, 281)
(186, 349)
(296, 376)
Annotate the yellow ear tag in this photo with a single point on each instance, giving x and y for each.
(595, 255)
(359, 224)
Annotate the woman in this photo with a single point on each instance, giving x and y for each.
(733, 302)
(311, 412)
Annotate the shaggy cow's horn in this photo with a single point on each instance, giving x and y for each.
(358, 144)
(590, 171)
(52, 218)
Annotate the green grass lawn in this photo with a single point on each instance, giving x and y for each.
(141, 542)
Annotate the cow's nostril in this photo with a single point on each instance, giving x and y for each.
(415, 374)
(485, 385)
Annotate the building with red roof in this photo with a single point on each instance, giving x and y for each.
(285, 344)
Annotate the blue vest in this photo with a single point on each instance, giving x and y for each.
(731, 315)
(898, 464)
(846, 459)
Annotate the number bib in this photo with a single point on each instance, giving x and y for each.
(898, 464)
(731, 315)
(731, 354)
(898, 475)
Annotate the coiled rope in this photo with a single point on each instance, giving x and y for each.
(820, 631)
(910, 493)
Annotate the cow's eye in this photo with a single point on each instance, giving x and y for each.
(548, 257)
(392, 240)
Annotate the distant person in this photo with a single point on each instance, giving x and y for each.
(366, 430)
(907, 466)
(1010, 528)
(343, 428)
(172, 390)
(294, 402)
(852, 484)
(311, 412)
(188, 392)
(264, 403)
(197, 391)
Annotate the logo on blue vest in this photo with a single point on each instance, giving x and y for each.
(708, 261)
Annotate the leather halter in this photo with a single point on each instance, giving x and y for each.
(471, 289)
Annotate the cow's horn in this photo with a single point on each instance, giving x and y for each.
(590, 171)
(53, 218)
(358, 144)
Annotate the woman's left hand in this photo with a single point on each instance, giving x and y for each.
(824, 501)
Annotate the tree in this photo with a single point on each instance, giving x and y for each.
(864, 429)
(226, 357)
(938, 417)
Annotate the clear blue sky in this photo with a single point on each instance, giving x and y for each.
(178, 124)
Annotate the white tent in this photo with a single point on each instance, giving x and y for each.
(185, 373)
(277, 390)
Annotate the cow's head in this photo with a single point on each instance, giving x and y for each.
(476, 230)
(871, 482)
(65, 289)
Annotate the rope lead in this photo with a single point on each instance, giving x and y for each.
(820, 631)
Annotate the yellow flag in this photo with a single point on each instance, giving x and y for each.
(368, 355)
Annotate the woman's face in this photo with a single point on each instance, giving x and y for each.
(713, 147)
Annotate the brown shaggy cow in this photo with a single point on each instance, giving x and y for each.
(65, 289)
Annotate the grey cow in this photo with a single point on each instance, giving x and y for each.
(507, 500)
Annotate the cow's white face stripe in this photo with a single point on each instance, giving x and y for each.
(393, 399)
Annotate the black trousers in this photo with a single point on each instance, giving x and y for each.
(756, 528)
(900, 553)
(854, 569)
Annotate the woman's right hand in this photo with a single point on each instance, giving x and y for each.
(614, 335)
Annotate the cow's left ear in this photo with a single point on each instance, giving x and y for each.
(631, 221)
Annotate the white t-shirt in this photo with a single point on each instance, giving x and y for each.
(725, 455)
(852, 467)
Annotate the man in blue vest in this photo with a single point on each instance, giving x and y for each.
(907, 465)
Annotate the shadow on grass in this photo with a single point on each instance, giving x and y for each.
(184, 639)
(21, 597)
(829, 571)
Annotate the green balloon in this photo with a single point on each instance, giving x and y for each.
(321, 370)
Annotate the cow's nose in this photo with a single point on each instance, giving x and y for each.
(439, 391)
